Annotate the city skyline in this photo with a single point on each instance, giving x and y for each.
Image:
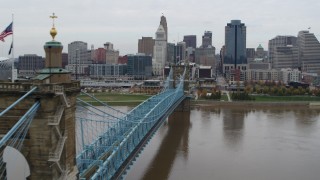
(123, 23)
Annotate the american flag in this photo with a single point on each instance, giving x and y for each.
(6, 32)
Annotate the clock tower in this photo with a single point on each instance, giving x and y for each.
(159, 51)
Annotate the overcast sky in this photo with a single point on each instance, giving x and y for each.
(123, 22)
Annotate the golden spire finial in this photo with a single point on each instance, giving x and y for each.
(53, 31)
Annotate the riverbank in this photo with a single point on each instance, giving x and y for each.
(247, 143)
(117, 99)
(251, 103)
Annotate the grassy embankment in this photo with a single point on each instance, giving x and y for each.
(285, 98)
(268, 98)
(115, 99)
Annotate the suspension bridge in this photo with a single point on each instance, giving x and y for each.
(47, 132)
(95, 142)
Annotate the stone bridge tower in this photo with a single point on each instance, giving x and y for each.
(177, 71)
(50, 144)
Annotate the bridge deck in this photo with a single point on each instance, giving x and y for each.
(110, 153)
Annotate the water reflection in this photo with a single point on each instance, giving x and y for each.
(233, 124)
(235, 143)
(174, 142)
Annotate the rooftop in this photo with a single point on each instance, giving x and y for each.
(53, 71)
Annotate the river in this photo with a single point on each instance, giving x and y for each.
(227, 143)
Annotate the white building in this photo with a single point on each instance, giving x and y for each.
(112, 55)
(280, 41)
(284, 75)
(290, 75)
(262, 74)
(159, 52)
(309, 52)
(285, 57)
(79, 58)
(77, 52)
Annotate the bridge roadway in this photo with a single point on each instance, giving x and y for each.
(109, 156)
(109, 153)
(126, 164)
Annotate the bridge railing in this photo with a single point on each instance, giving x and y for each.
(6, 86)
(131, 141)
(122, 133)
(24, 87)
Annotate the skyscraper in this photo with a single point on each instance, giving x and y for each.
(250, 54)
(205, 56)
(145, 45)
(190, 40)
(111, 54)
(285, 57)
(140, 66)
(207, 39)
(170, 53)
(77, 51)
(163, 22)
(99, 56)
(79, 58)
(309, 52)
(159, 51)
(279, 41)
(179, 52)
(29, 64)
(108, 46)
(235, 46)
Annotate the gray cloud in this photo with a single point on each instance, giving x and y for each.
(123, 22)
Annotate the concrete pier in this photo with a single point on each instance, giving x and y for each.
(49, 146)
(50, 143)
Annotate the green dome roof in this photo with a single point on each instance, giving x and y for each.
(53, 44)
(259, 47)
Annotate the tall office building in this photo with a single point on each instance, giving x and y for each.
(285, 57)
(123, 59)
(179, 52)
(235, 46)
(163, 22)
(6, 69)
(309, 52)
(145, 45)
(190, 40)
(250, 54)
(29, 64)
(64, 59)
(159, 51)
(207, 39)
(79, 58)
(102, 70)
(77, 52)
(112, 55)
(279, 41)
(190, 54)
(205, 56)
(170, 53)
(99, 56)
(108, 46)
(140, 66)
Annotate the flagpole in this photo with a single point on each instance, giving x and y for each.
(12, 65)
